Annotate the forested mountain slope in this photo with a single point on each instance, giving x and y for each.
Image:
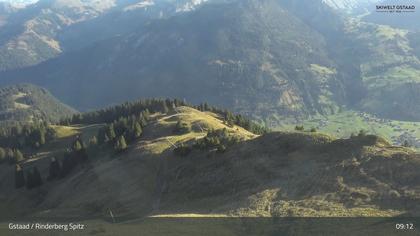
(256, 57)
(28, 103)
(266, 59)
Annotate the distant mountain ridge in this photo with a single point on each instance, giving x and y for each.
(29, 35)
(403, 20)
(241, 55)
(19, 3)
(38, 32)
(266, 59)
(352, 6)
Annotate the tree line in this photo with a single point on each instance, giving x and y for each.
(218, 140)
(74, 156)
(124, 130)
(14, 139)
(117, 133)
(124, 124)
(11, 156)
(231, 119)
(109, 115)
(32, 135)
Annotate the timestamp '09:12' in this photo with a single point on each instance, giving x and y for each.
(409, 226)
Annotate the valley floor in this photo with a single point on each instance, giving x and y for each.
(345, 123)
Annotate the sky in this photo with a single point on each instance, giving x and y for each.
(20, 1)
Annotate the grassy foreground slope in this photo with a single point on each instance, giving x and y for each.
(280, 174)
(110, 180)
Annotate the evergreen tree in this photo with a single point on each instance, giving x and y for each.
(165, 108)
(206, 107)
(229, 118)
(37, 137)
(137, 130)
(50, 134)
(18, 156)
(362, 133)
(221, 148)
(41, 138)
(10, 156)
(111, 132)
(182, 128)
(177, 103)
(93, 141)
(77, 145)
(146, 114)
(14, 156)
(299, 128)
(16, 130)
(120, 145)
(406, 144)
(19, 177)
(2, 155)
(106, 139)
(143, 121)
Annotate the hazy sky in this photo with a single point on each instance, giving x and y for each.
(20, 1)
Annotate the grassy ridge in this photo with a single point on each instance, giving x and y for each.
(279, 174)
